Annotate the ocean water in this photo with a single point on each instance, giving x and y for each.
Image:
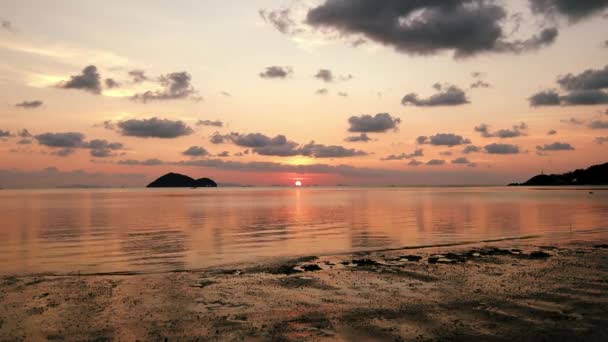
(154, 230)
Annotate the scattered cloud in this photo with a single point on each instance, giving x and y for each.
(196, 151)
(557, 146)
(461, 160)
(358, 138)
(598, 124)
(322, 91)
(64, 140)
(463, 27)
(138, 76)
(327, 76)
(552, 132)
(88, 80)
(590, 87)
(435, 162)
(276, 72)
(417, 153)
(66, 143)
(343, 94)
(8, 26)
(111, 83)
(176, 86)
(414, 162)
(281, 20)
(516, 131)
(447, 96)
(572, 121)
(264, 145)
(574, 10)
(601, 140)
(5, 134)
(216, 138)
(332, 151)
(471, 149)
(443, 139)
(210, 123)
(502, 149)
(381, 122)
(480, 84)
(223, 154)
(29, 104)
(154, 128)
(545, 98)
(53, 177)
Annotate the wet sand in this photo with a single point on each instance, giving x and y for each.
(510, 290)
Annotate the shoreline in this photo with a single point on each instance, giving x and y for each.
(496, 290)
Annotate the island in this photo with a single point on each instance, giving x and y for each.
(176, 180)
(594, 175)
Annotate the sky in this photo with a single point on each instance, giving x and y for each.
(327, 92)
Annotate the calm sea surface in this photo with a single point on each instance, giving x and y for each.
(112, 230)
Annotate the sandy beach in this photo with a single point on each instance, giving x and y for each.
(510, 290)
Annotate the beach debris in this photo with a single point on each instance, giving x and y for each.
(364, 262)
(311, 268)
(539, 255)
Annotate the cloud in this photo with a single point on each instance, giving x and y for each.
(327, 76)
(154, 128)
(332, 151)
(138, 76)
(381, 122)
(471, 149)
(62, 140)
(223, 154)
(358, 138)
(444, 139)
(29, 104)
(601, 140)
(417, 153)
(480, 84)
(281, 20)
(276, 72)
(464, 27)
(435, 162)
(545, 98)
(461, 160)
(574, 10)
(210, 123)
(147, 162)
(322, 91)
(598, 124)
(414, 162)
(196, 151)
(89, 80)
(516, 131)
(8, 26)
(102, 148)
(552, 132)
(502, 149)
(111, 83)
(450, 96)
(264, 145)
(343, 94)
(5, 134)
(572, 121)
(53, 177)
(587, 88)
(216, 138)
(557, 146)
(176, 86)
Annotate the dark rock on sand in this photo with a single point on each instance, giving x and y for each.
(539, 255)
(411, 257)
(311, 268)
(600, 246)
(364, 262)
(176, 180)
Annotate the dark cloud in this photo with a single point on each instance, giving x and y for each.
(5, 134)
(89, 80)
(138, 76)
(601, 140)
(516, 131)
(545, 98)
(264, 145)
(461, 160)
(176, 86)
(450, 96)
(471, 149)
(332, 151)
(154, 128)
(480, 84)
(216, 138)
(101, 148)
(147, 162)
(327, 76)
(24, 141)
(343, 94)
(466, 27)
(196, 151)
(211, 123)
(435, 162)
(598, 124)
(417, 153)
(322, 91)
(111, 83)
(223, 154)
(381, 122)
(502, 149)
(443, 139)
(552, 132)
(446, 153)
(586, 88)
(30, 104)
(61, 140)
(358, 138)
(281, 20)
(557, 146)
(414, 162)
(572, 9)
(276, 72)
(64, 152)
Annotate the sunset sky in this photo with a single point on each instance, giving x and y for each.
(264, 92)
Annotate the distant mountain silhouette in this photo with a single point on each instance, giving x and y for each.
(175, 180)
(594, 175)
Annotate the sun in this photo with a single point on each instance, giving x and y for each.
(298, 183)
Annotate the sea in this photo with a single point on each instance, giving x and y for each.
(92, 231)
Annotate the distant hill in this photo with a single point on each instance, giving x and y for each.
(594, 175)
(175, 180)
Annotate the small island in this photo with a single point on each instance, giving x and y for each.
(594, 175)
(176, 180)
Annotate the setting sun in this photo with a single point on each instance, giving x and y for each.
(298, 183)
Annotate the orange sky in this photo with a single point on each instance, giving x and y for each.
(282, 68)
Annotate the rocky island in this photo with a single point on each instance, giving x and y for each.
(176, 180)
(594, 175)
